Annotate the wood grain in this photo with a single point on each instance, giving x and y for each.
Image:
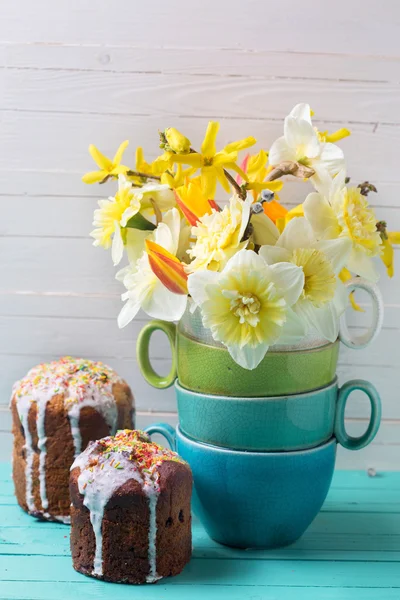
(72, 74)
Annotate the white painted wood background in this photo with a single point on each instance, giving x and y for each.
(75, 72)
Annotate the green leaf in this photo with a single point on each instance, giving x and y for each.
(138, 221)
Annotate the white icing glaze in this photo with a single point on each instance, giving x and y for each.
(97, 484)
(152, 493)
(97, 491)
(23, 411)
(72, 378)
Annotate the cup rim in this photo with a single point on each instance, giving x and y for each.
(181, 388)
(276, 453)
(277, 349)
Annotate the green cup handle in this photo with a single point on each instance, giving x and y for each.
(142, 352)
(346, 440)
(166, 431)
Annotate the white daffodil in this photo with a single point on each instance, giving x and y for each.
(302, 143)
(247, 305)
(144, 288)
(344, 213)
(112, 216)
(323, 297)
(159, 193)
(219, 235)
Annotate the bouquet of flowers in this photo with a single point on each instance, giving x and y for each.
(260, 274)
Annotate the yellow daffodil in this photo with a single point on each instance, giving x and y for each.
(323, 298)
(219, 235)
(344, 212)
(108, 167)
(112, 216)
(247, 305)
(212, 163)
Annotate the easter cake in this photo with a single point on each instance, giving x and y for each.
(57, 409)
(130, 513)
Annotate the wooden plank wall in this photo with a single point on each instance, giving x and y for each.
(76, 72)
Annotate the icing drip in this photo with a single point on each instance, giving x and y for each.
(82, 383)
(109, 463)
(42, 439)
(23, 411)
(152, 494)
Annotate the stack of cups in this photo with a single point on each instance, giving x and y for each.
(261, 443)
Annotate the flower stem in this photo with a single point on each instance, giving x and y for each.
(290, 168)
(144, 175)
(239, 191)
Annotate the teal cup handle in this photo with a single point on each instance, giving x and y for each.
(143, 355)
(166, 431)
(346, 440)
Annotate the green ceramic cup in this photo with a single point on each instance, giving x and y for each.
(283, 423)
(211, 370)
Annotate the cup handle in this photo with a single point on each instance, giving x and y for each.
(165, 430)
(372, 290)
(346, 440)
(142, 352)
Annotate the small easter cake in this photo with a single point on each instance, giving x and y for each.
(57, 409)
(130, 513)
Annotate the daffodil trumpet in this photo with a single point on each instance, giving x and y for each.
(261, 272)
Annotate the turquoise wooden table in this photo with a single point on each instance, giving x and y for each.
(350, 552)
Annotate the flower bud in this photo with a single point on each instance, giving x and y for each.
(176, 142)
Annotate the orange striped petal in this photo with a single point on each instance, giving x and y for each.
(192, 203)
(169, 270)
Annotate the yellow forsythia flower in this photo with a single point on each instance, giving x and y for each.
(108, 167)
(176, 141)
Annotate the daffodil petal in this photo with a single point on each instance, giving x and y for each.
(301, 111)
(321, 216)
(333, 158)
(117, 247)
(362, 265)
(208, 147)
(337, 251)
(163, 304)
(265, 231)
(102, 161)
(323, 319)
(198, 283)
(301, 134)
(281, 151)
(341, 298)
(298, 233)
(128, 312)
(293, 330)
(118, 155)
(289, 279)
(274, 254)
(248, 357)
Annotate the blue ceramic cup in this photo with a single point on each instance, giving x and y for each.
(254, 499)
(277, 423)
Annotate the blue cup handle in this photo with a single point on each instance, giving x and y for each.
(166, 431)
(346, 440)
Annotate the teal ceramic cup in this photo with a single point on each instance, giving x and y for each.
(280, 423)
(254, 499)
